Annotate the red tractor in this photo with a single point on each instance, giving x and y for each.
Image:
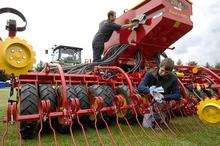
(103, 92)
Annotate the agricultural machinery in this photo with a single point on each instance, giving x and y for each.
(104, 93)
(65, 55)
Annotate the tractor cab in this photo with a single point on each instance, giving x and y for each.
(66, 55)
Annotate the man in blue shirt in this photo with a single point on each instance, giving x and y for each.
(162, 77)
(106, 28)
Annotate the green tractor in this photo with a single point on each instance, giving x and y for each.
(65, 55)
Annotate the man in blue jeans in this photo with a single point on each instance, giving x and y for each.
(160, 78)
(106, 28)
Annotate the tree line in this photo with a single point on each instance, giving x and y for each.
(194, 63)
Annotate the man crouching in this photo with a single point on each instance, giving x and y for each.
(162, 85)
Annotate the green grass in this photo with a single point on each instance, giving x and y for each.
(190, 132)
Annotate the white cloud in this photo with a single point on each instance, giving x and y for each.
(62, 22)
(202, 43)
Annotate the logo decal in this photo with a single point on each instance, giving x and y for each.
(178, 4)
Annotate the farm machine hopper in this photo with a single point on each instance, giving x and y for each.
(104, 93)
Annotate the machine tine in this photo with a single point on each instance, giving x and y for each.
(125, 140)
(139, 124)
(132, 132)
(174, 127)
(110, 134)
(75, 106)
(163, 119)
(157, 109)
(173, 115)
(84, 133)
(201, 124)
(119, 103)
(12, 117)
(187, 123)
(18, 130)
(155, 121)
(97, 131)
(5, 133)
(165, 123)
(71, 133)
(54, 132)
(153, 130)
(39, 132)
(160, 128)
(194, 128)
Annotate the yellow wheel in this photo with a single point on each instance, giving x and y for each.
(16, 56)
(209, 111)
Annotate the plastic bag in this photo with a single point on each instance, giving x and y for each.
(148, 120)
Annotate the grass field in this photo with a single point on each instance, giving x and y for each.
(190, 133)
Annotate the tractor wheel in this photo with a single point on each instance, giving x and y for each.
(47, 92)
(123, 90)
(107, 94)
(77, 91)
(209, 92)
(63, 129)
(80, 92)
(28, 106)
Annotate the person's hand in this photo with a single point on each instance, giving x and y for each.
(158, 97)
(159, 89)
(152, 90)
(134, 24)
(127, 26)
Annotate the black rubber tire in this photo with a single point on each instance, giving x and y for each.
(107, 94)
(80, 92)
(47, 92)
(123, 90)
(28, 106)
(63, 129)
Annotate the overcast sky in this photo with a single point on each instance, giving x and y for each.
(75, 22)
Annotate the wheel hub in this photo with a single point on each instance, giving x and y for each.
(17, 56)
(209, 111)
